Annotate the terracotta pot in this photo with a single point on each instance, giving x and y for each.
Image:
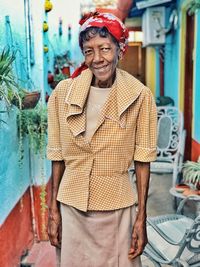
(66, 71)
(30, 100)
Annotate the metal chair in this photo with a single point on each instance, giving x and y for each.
(170, 142)
(174, 239)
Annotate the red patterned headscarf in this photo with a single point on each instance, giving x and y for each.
(113, 25)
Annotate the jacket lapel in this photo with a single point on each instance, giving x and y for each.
(128, 90)
(124, 92)
(76, 100)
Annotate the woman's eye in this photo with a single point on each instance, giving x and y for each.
(105, 49)
(87, 52)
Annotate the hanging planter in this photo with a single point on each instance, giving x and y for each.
(48, 5)
(45, 26)
(66, 70)
(28, 99)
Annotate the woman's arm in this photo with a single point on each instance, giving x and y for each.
(54, 221)
(139, 235)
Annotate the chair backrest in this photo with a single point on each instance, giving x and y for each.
(193, 236)
(174, 238)
(170, 133)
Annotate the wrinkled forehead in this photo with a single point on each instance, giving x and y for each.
(98, 41)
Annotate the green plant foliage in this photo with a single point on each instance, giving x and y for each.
(194, 6)
(60, 76)
(8, 84)
(16, 99)
(33, 124)
(191, 172)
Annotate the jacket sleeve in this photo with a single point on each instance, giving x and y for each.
(54, 149)
(146, 130)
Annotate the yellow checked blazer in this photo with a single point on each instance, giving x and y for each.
(96, 174)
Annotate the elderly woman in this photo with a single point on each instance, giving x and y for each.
(100, 120)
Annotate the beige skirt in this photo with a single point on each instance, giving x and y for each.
(97, 238)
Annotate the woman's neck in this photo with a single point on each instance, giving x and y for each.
(103, 84)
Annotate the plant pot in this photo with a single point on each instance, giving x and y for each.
(29, 100)
(66, 70)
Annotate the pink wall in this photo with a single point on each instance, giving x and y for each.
(195, 150)
(16, 234)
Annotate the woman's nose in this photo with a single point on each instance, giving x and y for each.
(97, 56)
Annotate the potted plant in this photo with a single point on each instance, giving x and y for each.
(191, 173)
(194, 6)
(28, 100)
(33, 124)
(10, 91)
(8, 82)
(57, 78)
(62, 64)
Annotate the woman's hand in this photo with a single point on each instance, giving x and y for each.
(55, 227)
(139, 234)
(54, 221)
(139, 239)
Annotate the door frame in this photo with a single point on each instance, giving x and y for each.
(183, 82)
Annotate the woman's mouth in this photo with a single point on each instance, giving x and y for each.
(102, 69)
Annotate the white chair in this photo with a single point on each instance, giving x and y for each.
(174, 239)
(170, 142)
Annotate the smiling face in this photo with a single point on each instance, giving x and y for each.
(101, 57)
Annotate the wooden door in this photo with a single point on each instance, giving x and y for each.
(134, 61)
(188, 90)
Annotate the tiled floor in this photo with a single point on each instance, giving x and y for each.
(159, 202)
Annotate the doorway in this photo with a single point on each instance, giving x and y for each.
(188, 88)
(134, 61)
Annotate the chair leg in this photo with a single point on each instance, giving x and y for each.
(174, 203)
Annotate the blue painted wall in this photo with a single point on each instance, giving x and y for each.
(58, 44)
(171, 68)
(13, 180)
(197, 81)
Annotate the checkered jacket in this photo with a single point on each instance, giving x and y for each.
(96, 174)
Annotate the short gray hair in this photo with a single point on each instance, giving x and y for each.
(91, 32)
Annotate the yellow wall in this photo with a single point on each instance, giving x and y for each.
(151, 68)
